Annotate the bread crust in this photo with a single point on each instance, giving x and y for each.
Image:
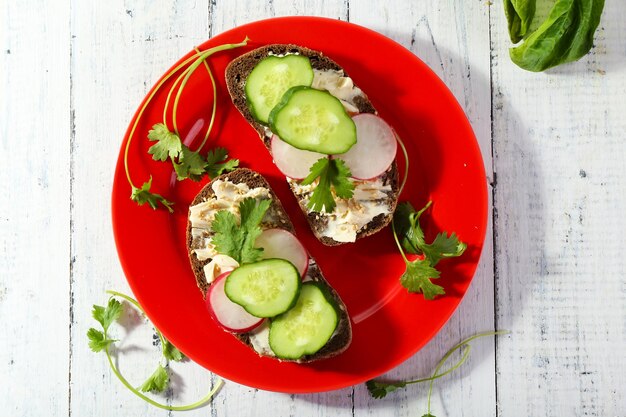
(340, 341)
(236, 74)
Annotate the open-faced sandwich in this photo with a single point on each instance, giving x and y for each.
(324, 135)
(258, 280)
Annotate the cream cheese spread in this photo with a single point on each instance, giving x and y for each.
(350, 215)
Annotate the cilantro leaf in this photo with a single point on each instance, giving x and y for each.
(97, 340)
(417, 278)
(106, 316)
(143, 195)
(171, 352)
(331, 172)
(157, 382)
(428, 415)
(344, 188)
(443, 246)
(378, 389)
(167, 143)
(406, 220)
(216, 163)
(190, 165)
(237, 240)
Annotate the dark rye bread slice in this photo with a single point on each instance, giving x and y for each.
(237, 73)
(342, 337)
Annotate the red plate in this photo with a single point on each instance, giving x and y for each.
(389, 324)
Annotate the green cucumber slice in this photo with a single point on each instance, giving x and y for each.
(269, 80)
(313, 120)
(307, 327)
(264, 289)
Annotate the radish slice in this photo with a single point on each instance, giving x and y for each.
(291, 161)
(374, 150)
(279, 243)
(230, 316)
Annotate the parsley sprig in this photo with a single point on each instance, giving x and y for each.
(100, 341)
(380, 389)
(236, 239)
(410, 238)
(187, 163)
(334, 175)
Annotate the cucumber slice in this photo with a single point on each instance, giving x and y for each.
(264, 289)
(313, 120)
(269, 80)
(307, 327)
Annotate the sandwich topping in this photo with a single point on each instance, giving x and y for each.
(227, 196)
(350, 215)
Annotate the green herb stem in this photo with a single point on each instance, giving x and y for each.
(195, 65)
(214, 110)
(156, 88)
(149, 400)
(169, 96)
(406, 164)
(191, 406)
(462, 344)
(395, 237)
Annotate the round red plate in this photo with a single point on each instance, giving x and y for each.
(389, 324)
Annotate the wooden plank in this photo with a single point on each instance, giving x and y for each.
(236, 399)
(452, 38)
(35, 207)
(560, 161)
(119, 50)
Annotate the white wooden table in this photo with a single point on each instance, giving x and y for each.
(553, 270)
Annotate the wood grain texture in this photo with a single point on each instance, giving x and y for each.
(451, 37)
(119, 49)
(34, 208)
(561, 175)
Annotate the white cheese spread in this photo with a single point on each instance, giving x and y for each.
(218, 265)
(260, 339)
(339, 86)
(350, 215)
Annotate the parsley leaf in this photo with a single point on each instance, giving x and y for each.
(190, 165)
(97, 340)
(157, 382)
(331, 172)
(418, 274)
(168, 143)
(443, 246)
(143, 195)
(379, 389)
(171, 352)
(237, 240)
(216, 163)
(417, 278)
(187, 163)
(106, 316)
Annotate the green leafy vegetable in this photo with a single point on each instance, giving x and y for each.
(187, 163)
(157, 382)
(143, 195)
(236, 239)
(168, 143)
(217, 164)
(410, 239)
(380, 389)
(417, 278)
(331, 173)
(565, 36)
(519, 15)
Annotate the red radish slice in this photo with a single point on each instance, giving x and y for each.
(291, 161)
(279, 243)
(230, 316)
(375, 147)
